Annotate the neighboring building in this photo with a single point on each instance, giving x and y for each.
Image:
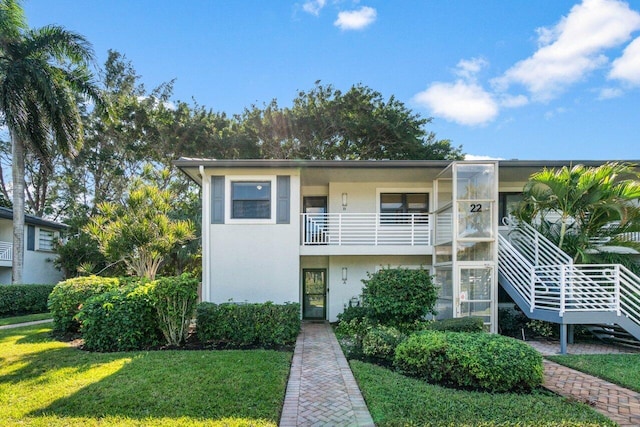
(309, 231)
(39, 237)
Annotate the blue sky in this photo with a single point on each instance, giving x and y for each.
(545, 79)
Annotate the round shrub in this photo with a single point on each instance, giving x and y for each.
(470, 360)
(68, 296)
(380, 342)
(399, 296)
(458, 324)
(174, 299)
(120, 320)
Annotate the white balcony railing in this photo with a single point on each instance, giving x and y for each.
(368, 229)
(6, 251)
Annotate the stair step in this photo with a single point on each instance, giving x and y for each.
(614, 334)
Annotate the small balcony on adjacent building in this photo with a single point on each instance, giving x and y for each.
(6, 254)
(365, 234)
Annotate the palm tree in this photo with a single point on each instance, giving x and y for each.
(42, 73)
(589, 205)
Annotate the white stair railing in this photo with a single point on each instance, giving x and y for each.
(566, 287)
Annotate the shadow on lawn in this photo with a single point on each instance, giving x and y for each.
(172, 384)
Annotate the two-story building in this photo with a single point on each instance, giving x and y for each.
(309, 231)
(39, 253)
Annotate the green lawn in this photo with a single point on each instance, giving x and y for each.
(44, 382)
(396, 400)
(26, 318)
(621, 369)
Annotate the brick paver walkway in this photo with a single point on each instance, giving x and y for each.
(322, 390)
(618, 404)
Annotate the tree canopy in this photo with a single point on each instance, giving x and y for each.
(42, 73)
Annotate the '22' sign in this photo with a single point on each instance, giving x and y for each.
(476, 207)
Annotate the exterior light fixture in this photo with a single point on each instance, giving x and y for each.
(344, 201)
(344, 275)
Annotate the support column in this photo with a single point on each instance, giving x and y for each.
(563, 338)
(571, 332)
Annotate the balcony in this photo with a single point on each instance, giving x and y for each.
(6, 254)
(365, 234)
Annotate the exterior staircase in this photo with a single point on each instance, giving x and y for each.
(546, 285)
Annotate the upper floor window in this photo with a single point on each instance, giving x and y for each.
(395, 206)
(45, 239)
(251, 199)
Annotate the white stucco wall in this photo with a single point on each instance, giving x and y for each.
(357, 267)
(252, 262)
(38, 265)
(363, 197)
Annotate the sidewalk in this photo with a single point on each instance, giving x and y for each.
(322, 390)
(19, 325)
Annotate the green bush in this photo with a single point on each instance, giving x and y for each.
(16, 300)
(120, 320)
(174, 299)
(232, 324)
(398, 296)
(352, 333)
(352, 312)
(470, 360)
(460, 324)
(380, 342)
(67, 298)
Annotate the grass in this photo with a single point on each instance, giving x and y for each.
(26, 318)
(44, 382)
(621, 369)
(396, 400)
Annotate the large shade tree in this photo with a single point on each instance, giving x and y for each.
(43, 72)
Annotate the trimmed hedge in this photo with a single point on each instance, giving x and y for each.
(67, 298)
(120, 320)
(459, 324)
(470, 360)
(17, 300)
(232, 324)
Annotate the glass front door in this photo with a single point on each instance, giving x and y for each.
(314, 294)
(476, 292)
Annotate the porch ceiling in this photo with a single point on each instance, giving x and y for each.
(322, 177)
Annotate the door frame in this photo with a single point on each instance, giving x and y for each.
(304, 294)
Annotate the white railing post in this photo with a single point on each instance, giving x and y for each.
(533, 291)
(562, 290)
(339, 229)
(617, 289)
(413, 224)
(377, 220)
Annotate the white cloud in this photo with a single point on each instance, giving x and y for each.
(627, 67)
(356, 19)
(468, 68)
(481, 157)
(572, 48)
(314, 6)
(462, 102)
(513, 101)
(610, 93)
